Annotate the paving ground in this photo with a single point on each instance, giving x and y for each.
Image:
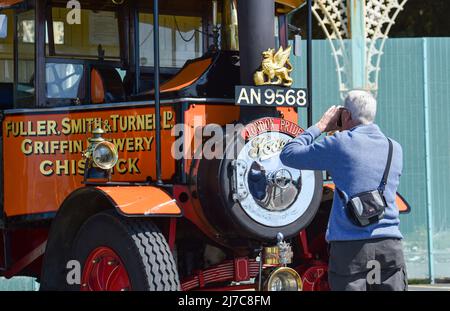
(428, 288)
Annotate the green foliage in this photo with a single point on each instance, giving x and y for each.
(419, 18)
(423, 19)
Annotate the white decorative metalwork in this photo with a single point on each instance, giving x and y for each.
(379, 17)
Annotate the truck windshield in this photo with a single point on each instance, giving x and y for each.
(181, 39)
(94, 35)
(25, 90)
(6, 59)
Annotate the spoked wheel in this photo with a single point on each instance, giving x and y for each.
(120, 254)
(104, 271)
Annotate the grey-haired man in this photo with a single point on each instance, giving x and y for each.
(361, 258)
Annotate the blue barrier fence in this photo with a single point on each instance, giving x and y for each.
(413, 108)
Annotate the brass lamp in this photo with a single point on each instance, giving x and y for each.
(101, 156)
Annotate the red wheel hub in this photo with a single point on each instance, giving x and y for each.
(104, 271)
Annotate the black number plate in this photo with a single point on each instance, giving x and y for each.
(270, 96)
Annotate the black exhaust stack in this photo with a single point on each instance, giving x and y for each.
(256, 34)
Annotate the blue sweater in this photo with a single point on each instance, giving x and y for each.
(356, 160)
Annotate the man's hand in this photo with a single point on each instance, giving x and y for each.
(330, 119)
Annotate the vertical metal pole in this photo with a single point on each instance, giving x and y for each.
(428, 162)
(309, 62)
(157, 99)
(16, 59)
(137, 52)
(39, 41)
(283, 31)
(358, 42)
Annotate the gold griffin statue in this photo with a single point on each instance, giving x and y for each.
(275, 65)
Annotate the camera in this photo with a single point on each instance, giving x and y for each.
(339, 121)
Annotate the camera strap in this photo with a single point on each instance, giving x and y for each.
(388, 167)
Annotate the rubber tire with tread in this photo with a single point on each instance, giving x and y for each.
(141, 246)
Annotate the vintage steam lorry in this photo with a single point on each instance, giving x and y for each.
(94, 196)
